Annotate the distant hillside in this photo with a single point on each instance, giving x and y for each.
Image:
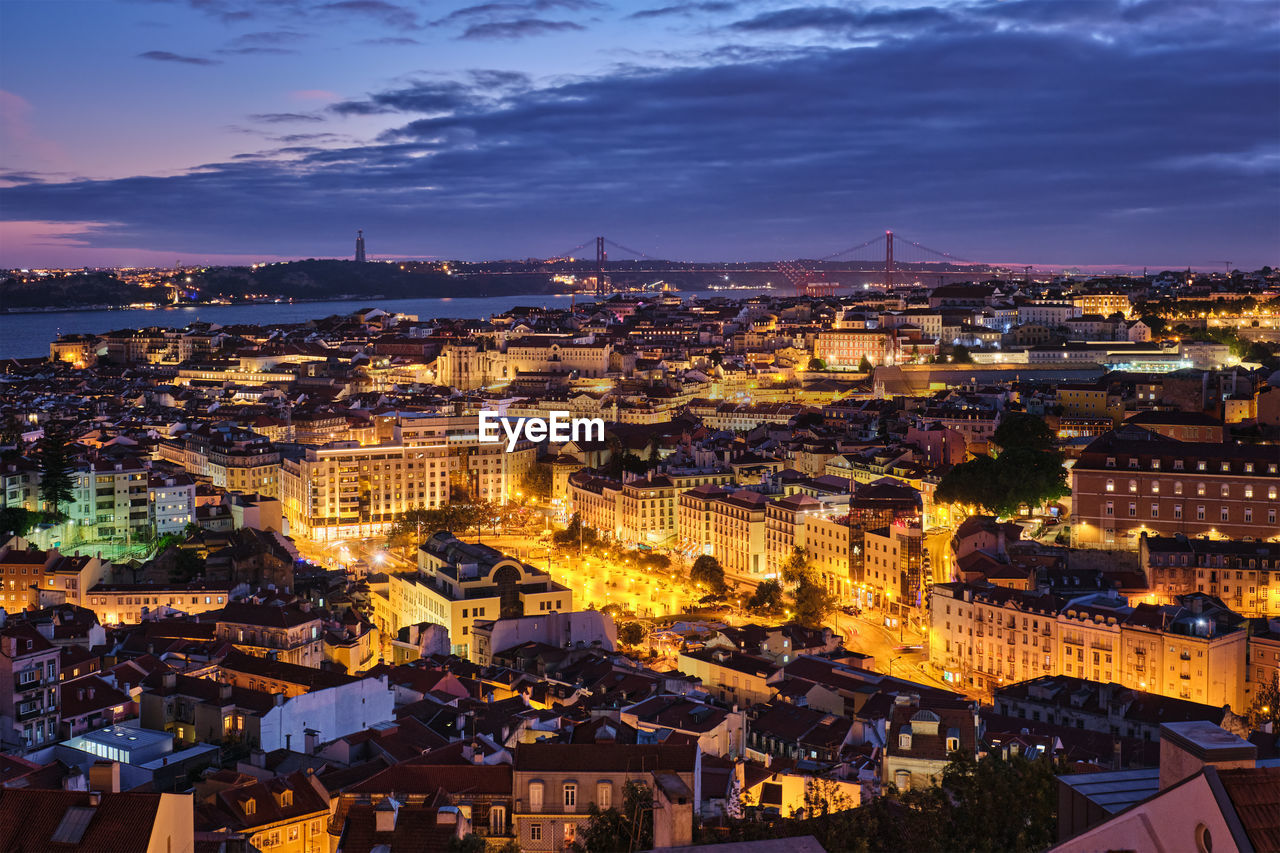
(323, 279)
(69, 291)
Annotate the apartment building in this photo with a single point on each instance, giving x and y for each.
(1244, 575)
(130, 604)
(29, 675)
(828, 539)
(172, 500)
(784, 524)
(844, 349)
(1104, 304)
(646, 510)
(458, 582)
(595, 500)
(345, 489)
(291, 634)
(1133, 481)
(738, 538)
(555, 784)
(694, 514)
(985, 637)
(116, 504)
(227, 456)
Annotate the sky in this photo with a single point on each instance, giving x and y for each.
(1049, 132)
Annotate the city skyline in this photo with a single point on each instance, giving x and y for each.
(1085, 134)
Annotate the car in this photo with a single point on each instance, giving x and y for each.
(908, 649)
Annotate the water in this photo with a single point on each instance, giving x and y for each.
(29, 335)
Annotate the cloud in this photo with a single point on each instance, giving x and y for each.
(390, 14)
(257, 51)
(430, 97)
(272, 37)
(392, 41)
(999, 131)
(283, 118)
(166, 56)
(711, 6)
(519, 28)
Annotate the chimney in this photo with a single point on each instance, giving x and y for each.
(104, 776)
(312, 741)
(385, 814)
(1187, 748)
(258, 758)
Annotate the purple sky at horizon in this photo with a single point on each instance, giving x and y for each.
(1098, 134)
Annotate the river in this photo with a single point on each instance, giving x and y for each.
(29, 335)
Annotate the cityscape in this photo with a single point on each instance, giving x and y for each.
(362, 491)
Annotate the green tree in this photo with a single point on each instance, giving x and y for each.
(767, 600)
(55, 469)
(816, 363)
(508, 846)
(707, 571)
(1266, 703)
(1020, 431)
(960, 354)
(619, 830)
(16, 521)
(631, 633)
(865, 366)
(812, 601)
(537, 481)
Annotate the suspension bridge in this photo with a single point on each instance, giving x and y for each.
(891, 259)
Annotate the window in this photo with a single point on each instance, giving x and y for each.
(498, 820)
(904, 741)
(570, 833)
(535, 797)
(1111, 485)
(1177, 487)
(1133, 486)
(604, 795)
(953, 744)
(535, 832)
(570, 795)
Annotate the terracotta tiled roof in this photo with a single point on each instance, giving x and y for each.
(121, 823)
(1255, 795)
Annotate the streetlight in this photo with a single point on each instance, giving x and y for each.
(891, 660)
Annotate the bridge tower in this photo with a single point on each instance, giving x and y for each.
(601, 256)
(888, 260)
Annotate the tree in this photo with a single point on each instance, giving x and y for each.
(537, 480)
(1018, 430)
(707, 571)
(509, 846)
(816, 363)
(1266, 703)
(615, 830)
(55, 469)
(864, 366)
(16, 521)
(767, 599)
(631, 633)
(960, 354)
(812, 600)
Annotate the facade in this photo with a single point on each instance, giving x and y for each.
(29, 690)
(291, 634)
(555, 783)
(1133, 481)
(458, 583)
(844, 349)
(229, 457)
(347, 490)
(172, 502)
(986, 637)
(1244, 575)
(738, 537)
(129, 604)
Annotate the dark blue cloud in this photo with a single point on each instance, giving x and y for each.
(167, 56)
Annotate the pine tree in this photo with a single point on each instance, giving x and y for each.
(55, 470)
